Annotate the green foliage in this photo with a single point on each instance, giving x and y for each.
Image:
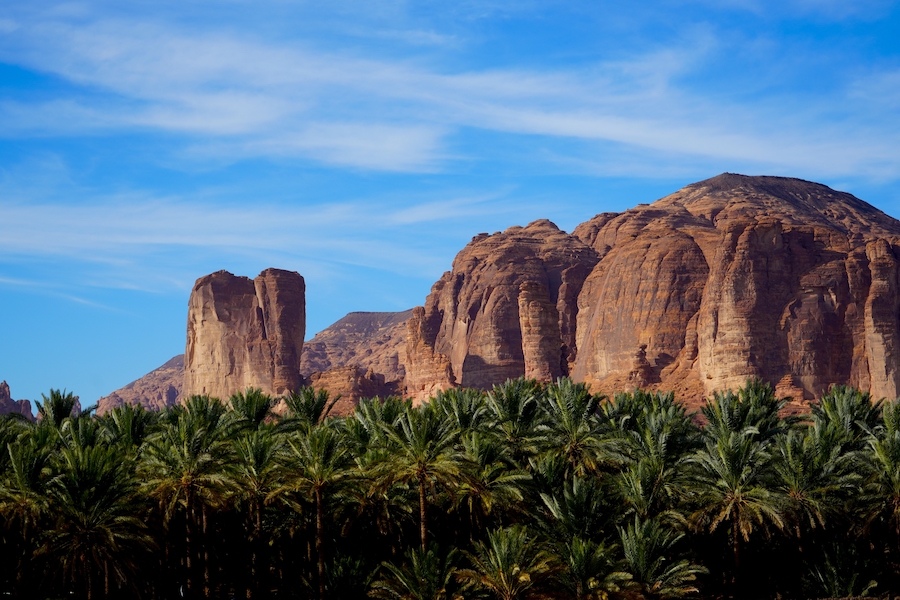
(543, 490)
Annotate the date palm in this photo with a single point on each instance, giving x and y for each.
(730, 490)
(510, 565)
(257, 472)
(591, 571)
(56, 408)
(422, 576)
(97, 532)
(655, 569)
(186, 467)
(571, 426)
(423, 451)
(318, 465)
(514, 412)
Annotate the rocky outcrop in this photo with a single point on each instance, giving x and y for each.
(507, 308)
(10, 406)
(370, 340)
(351, 383)
(156, 390)
(738, 277)
(245, 333)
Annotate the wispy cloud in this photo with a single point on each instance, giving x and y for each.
(246, 96)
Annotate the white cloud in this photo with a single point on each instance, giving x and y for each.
(239, 95)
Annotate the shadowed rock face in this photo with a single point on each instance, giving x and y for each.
(735, 277)
(245, 333)
(507, 308)
(158, 389)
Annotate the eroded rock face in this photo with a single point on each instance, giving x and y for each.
(370, 340)
(508, 308)
(8, 405)
(245, 333)
(737, 277)
(350, 383)
(156, 390)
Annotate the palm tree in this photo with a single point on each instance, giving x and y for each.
(648, 547)
(128, 426)
(514, 412)
(306, 407)
(251, 408)
(880, 466)
(571, 421)
(23, 493)
(730, 490)
(423, 451)
(424, 575)
(97, 531)
(510, 566)
(465, 407)
(57, 408)
(591, 571)
(257, 472)
(319, 464)
(186, 466)
(494, 483)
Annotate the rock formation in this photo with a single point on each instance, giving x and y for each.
(507, 308)
(245, 333)
(738, 277)
(8, 405)
(350, 383)
(156, 390)
(370, 340)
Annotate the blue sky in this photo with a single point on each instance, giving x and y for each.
(144, 144)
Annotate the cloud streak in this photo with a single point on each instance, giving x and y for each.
(269, 98)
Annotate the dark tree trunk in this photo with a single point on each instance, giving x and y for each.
(320, 542)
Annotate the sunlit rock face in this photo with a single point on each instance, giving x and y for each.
(244, 333)
(507, 309)
(157, 390)
(738, 277)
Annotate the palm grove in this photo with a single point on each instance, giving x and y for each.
(526, 491)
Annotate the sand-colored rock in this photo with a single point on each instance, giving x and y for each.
(508, 307)
(244, 333)
(157, 390)
(369, 340)
(738, 277)
(351, 383)
(8, 405)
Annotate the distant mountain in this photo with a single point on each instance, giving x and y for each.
(155, 390)
(726, 279)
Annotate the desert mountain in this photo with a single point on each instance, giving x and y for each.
(156, 390)
(728, 278)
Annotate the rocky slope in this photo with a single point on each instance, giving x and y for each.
(370, 340)
(8, 405)
(507, 309)
(155, 390)
(245, 333)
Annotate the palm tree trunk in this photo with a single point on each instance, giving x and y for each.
(736, 547)
(189, 543)
(423, 524)
(320, 541)
(205, 544)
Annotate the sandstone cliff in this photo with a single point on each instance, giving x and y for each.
(370, 340)
(245, 333)
(156, 390)
(8, 405)
(507, 309)
(735, 277)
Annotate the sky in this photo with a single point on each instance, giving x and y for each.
(144, 144)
